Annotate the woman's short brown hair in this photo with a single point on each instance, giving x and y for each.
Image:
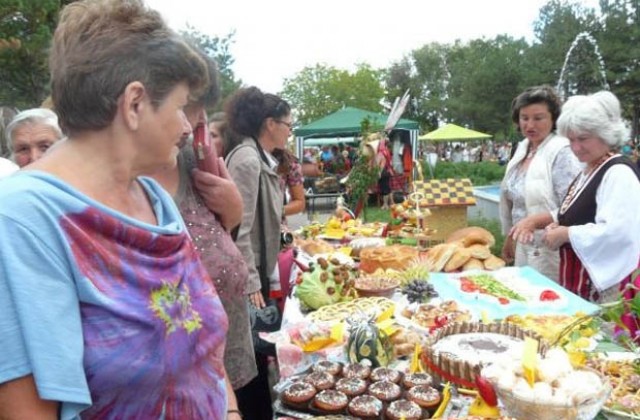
(100, 46)
(543, 94)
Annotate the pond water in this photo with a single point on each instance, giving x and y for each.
(487, 200)
(493, 191)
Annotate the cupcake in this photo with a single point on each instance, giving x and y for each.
(365, 407)
(330, 401)
(333, 368)
(321, 380)
(385, 374)
(356, 370)
(403, 409)
(425, 396)
(351, 386)
(298, 395)
(413, 379)
(385, 391)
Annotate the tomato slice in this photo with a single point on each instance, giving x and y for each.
(549, 295)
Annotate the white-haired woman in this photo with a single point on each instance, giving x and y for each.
(598, 221)
(31, 133)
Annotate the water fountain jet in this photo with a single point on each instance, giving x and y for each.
(586, 36)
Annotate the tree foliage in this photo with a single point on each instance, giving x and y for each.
(218, 48)
(26, 28)
(620, 43)
(320, 90)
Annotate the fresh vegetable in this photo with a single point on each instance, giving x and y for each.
(367, 341)
(548, 295)
(326, 283)
(486, 284)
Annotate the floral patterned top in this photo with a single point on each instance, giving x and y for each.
(226, 267)
(113, 317)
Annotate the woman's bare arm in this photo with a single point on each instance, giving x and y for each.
(19, 400)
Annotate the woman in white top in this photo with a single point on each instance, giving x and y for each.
(536, 180)
(598, 229)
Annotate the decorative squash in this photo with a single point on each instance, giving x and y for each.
(368, 342)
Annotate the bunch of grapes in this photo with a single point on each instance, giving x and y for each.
(419, 291)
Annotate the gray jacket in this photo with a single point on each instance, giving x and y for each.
(247, 169)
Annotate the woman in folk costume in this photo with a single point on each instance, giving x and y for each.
(598, 229)
(536, 180)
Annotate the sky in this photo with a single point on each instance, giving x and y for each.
(276, 39)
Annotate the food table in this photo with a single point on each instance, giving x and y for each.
(467, 300)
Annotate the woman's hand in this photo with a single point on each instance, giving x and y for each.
(509, 250)
(555, 236)
(523, 231)
(220, 195)
(257, 300)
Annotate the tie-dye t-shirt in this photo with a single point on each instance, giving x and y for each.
(115, 318)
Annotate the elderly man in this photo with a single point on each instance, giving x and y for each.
(31, 133)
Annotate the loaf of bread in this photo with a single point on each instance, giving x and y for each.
(493, 263)
(472, 235)
(457, 260)
(479, 251)
(439, 255)
(397, 257)
(473, 264)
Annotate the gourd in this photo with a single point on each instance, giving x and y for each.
(368, 342)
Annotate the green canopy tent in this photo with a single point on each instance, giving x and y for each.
(452, 132)
(346, 122)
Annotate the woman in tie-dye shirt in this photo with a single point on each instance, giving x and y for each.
(105, 308)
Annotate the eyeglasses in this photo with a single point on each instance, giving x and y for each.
(288, 124)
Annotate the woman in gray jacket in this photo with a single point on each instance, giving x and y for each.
(263, 121)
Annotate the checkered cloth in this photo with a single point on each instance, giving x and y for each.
(446, 192)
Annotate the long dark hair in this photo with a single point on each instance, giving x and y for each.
(248, 108)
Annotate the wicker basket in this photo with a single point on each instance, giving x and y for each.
(531, 410)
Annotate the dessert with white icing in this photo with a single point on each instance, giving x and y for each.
(478, 348)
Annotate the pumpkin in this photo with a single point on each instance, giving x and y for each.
(368, 342)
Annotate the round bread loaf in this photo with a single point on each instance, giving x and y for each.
(472, 235)
(396, 257)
